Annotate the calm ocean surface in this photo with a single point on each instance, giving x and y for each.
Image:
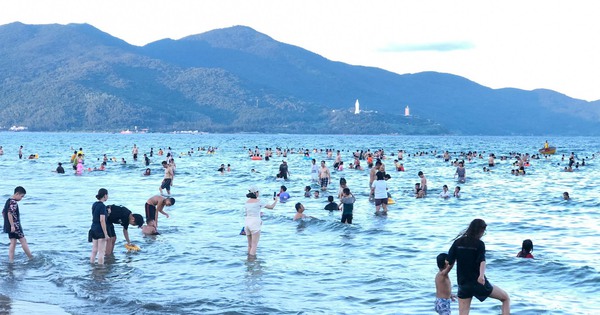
(198, 265)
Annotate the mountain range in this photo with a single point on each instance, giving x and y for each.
(77, 78)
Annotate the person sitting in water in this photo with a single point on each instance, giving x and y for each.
(300, 212)
(420, 193)
(331, 205)
(60, 169)
(457, 192)
(445, 194)
(283, 194)
(307, 191)
(526, 249)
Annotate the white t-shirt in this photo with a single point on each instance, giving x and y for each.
(253, 208)
(380, 187)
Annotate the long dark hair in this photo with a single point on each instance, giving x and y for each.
(474, 231)
(526, 248)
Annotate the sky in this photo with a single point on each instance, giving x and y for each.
(525, 44)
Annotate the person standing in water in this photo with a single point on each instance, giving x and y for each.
(253, 222)
(167, 181)
(468, 251)
(98, 233)
(154, 205)
(120, 215)
(12, 224)
(134, 151)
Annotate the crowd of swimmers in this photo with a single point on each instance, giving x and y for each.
(471, 277)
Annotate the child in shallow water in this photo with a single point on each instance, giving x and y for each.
(526, 249)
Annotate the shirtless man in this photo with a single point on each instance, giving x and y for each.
(491, 162)
(134, 152)
(324, 176)
(168, 179)
(423, 182)
(372, 173)
(154, 205)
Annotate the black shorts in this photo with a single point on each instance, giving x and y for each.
(347, 218)
(94, 235)
(135, 156)
(110, 229)
(475, 289)
(150, 212)
(17, 235)
(378, 202)
(166, 184)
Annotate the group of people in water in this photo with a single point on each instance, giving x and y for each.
(102, 233)
(467, 251)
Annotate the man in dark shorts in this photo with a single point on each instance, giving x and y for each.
(168, 179)
(12, 224)
(154, 205)
(120, 215)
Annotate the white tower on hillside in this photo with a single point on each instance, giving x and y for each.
(407, 111)
(356, 108)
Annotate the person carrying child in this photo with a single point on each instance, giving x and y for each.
(347, 205)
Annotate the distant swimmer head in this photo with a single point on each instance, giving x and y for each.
(330, 198)
(527, 246)
(299, 207)
(566, 196)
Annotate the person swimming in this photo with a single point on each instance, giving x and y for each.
(526, 249)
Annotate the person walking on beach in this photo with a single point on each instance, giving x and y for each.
(167, 181)
(154, 205)
(468, 251)
(12, 224)
(98, 233)
(253, 222)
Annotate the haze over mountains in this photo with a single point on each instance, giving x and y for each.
(76, 77)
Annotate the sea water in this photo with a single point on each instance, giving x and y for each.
(378, 265)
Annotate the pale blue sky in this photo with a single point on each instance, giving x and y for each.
(508, 43)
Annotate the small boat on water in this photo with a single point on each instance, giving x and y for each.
(548, 150)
